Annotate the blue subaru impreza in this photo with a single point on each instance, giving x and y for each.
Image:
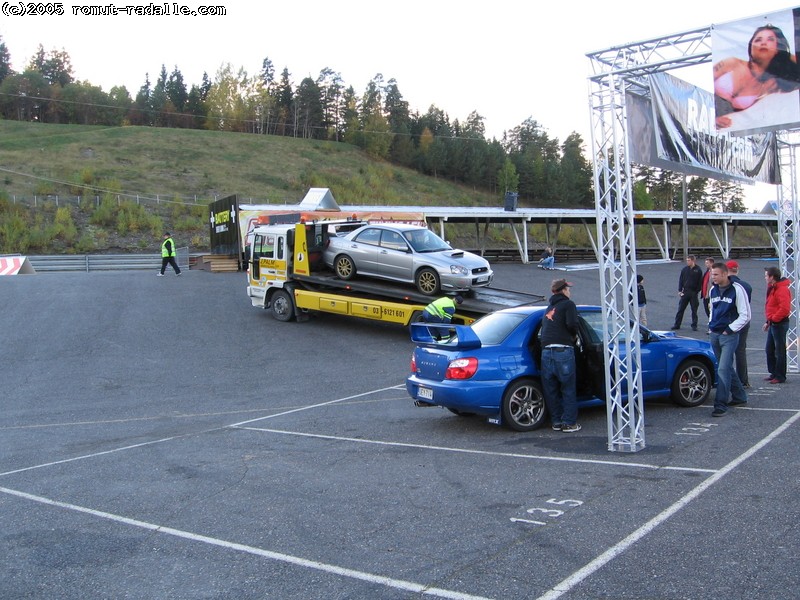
(491, 367)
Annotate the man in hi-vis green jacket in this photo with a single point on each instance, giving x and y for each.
(168, 255)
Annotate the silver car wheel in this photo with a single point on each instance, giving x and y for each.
(344, 267)
(428, 282)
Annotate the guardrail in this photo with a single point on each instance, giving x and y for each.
(104, 262)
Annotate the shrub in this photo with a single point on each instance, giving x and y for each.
(85, 244)
(123, 223)
(105, 214)
(14, 234)
(65, 228)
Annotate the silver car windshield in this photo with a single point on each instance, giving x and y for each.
(424, 240)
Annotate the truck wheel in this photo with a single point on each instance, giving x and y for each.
(427, 281)
(344, 267)
(523, 405)
(282, 306)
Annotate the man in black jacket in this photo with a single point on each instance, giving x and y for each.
(559, 331)
(689, 284)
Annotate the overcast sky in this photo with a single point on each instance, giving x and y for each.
(507, 60)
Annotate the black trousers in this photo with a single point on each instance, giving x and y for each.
(687, 299)
(169, 260)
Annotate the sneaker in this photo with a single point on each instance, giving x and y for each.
(718, 412)
(178, 274)
(737, 403)
(674, 328)
(776, 380)
(570, 428)
(558, 426)
(694, 327)
(746, 385)
(159, 274)
(769, 378)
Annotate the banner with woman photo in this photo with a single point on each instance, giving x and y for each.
(756, 74)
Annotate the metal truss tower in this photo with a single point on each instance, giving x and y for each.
(789, 234)
(614, 72)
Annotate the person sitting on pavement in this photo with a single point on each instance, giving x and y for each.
(548, 260)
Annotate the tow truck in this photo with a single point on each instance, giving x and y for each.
(286, 275)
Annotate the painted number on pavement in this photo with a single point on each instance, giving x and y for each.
(547, 512)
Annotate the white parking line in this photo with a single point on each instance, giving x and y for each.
(85, 456)
(570, 582)
(406, 586)
(483, 452)
(310, 406)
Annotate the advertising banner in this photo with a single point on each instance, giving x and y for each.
(756, 74)
(223, 227)
(675, 130)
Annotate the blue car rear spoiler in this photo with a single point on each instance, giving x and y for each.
(442, 334)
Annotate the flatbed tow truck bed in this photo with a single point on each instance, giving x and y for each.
(476, 303)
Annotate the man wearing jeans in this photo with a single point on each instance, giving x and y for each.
(777, 308)
(730, 311)
(559, 331)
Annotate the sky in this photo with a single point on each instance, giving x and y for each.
(507, 60)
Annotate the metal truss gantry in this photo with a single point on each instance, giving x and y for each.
(788, 235)
(614, 72)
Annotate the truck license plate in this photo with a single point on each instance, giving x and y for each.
(425, 393)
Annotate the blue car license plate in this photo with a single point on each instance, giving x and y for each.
(425, 393)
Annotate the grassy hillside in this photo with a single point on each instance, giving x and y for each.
(184, 163)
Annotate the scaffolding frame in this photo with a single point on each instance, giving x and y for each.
(788, 232)
(614, 72)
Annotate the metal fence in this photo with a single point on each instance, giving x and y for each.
(104, 262)
(57, 200)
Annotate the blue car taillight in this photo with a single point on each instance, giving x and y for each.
(461, 368)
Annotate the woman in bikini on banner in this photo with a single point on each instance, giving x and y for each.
(771, 68)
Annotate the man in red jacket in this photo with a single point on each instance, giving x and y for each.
(777, 309)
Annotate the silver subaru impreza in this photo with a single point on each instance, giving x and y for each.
(409, 254)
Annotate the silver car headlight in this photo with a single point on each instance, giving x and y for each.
(458, 270)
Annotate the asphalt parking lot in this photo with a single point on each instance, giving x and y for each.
(161, 438)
